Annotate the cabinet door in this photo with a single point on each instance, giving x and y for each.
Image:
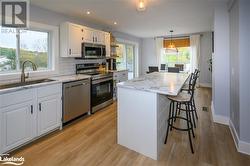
(49, 113)
(107, 44)
(17, 121)
(88, 35)
(99, 37)
(75, 40)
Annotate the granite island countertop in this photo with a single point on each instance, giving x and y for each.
(158, 82)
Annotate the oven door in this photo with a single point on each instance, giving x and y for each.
(101, 93)
(91, 51)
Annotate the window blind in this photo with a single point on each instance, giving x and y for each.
(177, 42)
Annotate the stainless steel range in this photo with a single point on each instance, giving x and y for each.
(101, 85)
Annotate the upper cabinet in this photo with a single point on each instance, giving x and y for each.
(107, 44)
(94, 36)
(72, 36)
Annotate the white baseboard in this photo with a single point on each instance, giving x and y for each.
(205, 85)
(241, 146)
(219, 118)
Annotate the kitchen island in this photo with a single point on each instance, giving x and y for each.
(143, 111)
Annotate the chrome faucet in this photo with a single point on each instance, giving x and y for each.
(23, 76)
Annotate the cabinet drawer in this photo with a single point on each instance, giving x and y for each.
(49, 90)
(16, 97)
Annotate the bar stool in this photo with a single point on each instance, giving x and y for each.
(187, 87)
(182, 99)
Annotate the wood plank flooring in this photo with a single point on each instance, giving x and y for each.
(92, 141)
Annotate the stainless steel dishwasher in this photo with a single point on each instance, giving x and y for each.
(76, 99)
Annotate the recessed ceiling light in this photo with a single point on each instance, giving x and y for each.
(115, 23)
(141, 6)
(88, 12)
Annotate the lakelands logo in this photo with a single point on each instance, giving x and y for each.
(15, 13)
(6, 160)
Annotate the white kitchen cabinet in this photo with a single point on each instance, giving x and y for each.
(16, 125)
(94, 36)
(49, 111)
(107, 44)
(71, 38)
(99, 37)
(88, 35)
(21, 120)
(119, 76)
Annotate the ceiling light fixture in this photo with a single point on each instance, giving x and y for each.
(115, 23)
(88, 12)
(171, 45)
(141, 6)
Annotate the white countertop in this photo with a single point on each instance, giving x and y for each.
(158, 82)
(59, 79)
(114, 71)
(69, 78)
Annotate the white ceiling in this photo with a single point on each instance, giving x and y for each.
(183, 16)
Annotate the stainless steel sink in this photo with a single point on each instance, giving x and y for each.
(18, 84)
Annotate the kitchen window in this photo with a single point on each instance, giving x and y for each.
(179, 55)
(16, 46)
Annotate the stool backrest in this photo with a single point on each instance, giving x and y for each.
(192, 86)
(163, 66)
(173, 69)
(153, 69)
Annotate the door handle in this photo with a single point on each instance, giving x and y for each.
(69, 51)
(31, 109)
(40, 107)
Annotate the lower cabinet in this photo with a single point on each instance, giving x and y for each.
(28, 114)
(49, 114)
(17, 121)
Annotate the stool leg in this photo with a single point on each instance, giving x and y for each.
(190, 121)
(172, 120)
(168, 121)
(179, 107)
(176, 111)
(193, 103)
(189, 134)
(192, 110)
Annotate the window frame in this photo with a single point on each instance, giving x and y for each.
(53, 52)
(178, 61)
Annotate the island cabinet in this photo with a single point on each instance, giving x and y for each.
(28, 114)
(142, 111)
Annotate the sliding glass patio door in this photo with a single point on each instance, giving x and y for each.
(126, 58)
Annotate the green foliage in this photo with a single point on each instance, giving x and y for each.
(9, 53)
(183, 56)
(39, 58)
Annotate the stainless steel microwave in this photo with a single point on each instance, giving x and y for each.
(93, 51)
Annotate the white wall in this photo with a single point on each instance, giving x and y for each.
(206, 53)
(221, 82)
(244, 53)
(148, 57)
(240, 77)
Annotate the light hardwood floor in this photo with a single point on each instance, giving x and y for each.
(92, 141)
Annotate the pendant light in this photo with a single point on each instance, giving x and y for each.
(171, 45)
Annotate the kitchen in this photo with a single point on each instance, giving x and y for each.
(73, 103)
